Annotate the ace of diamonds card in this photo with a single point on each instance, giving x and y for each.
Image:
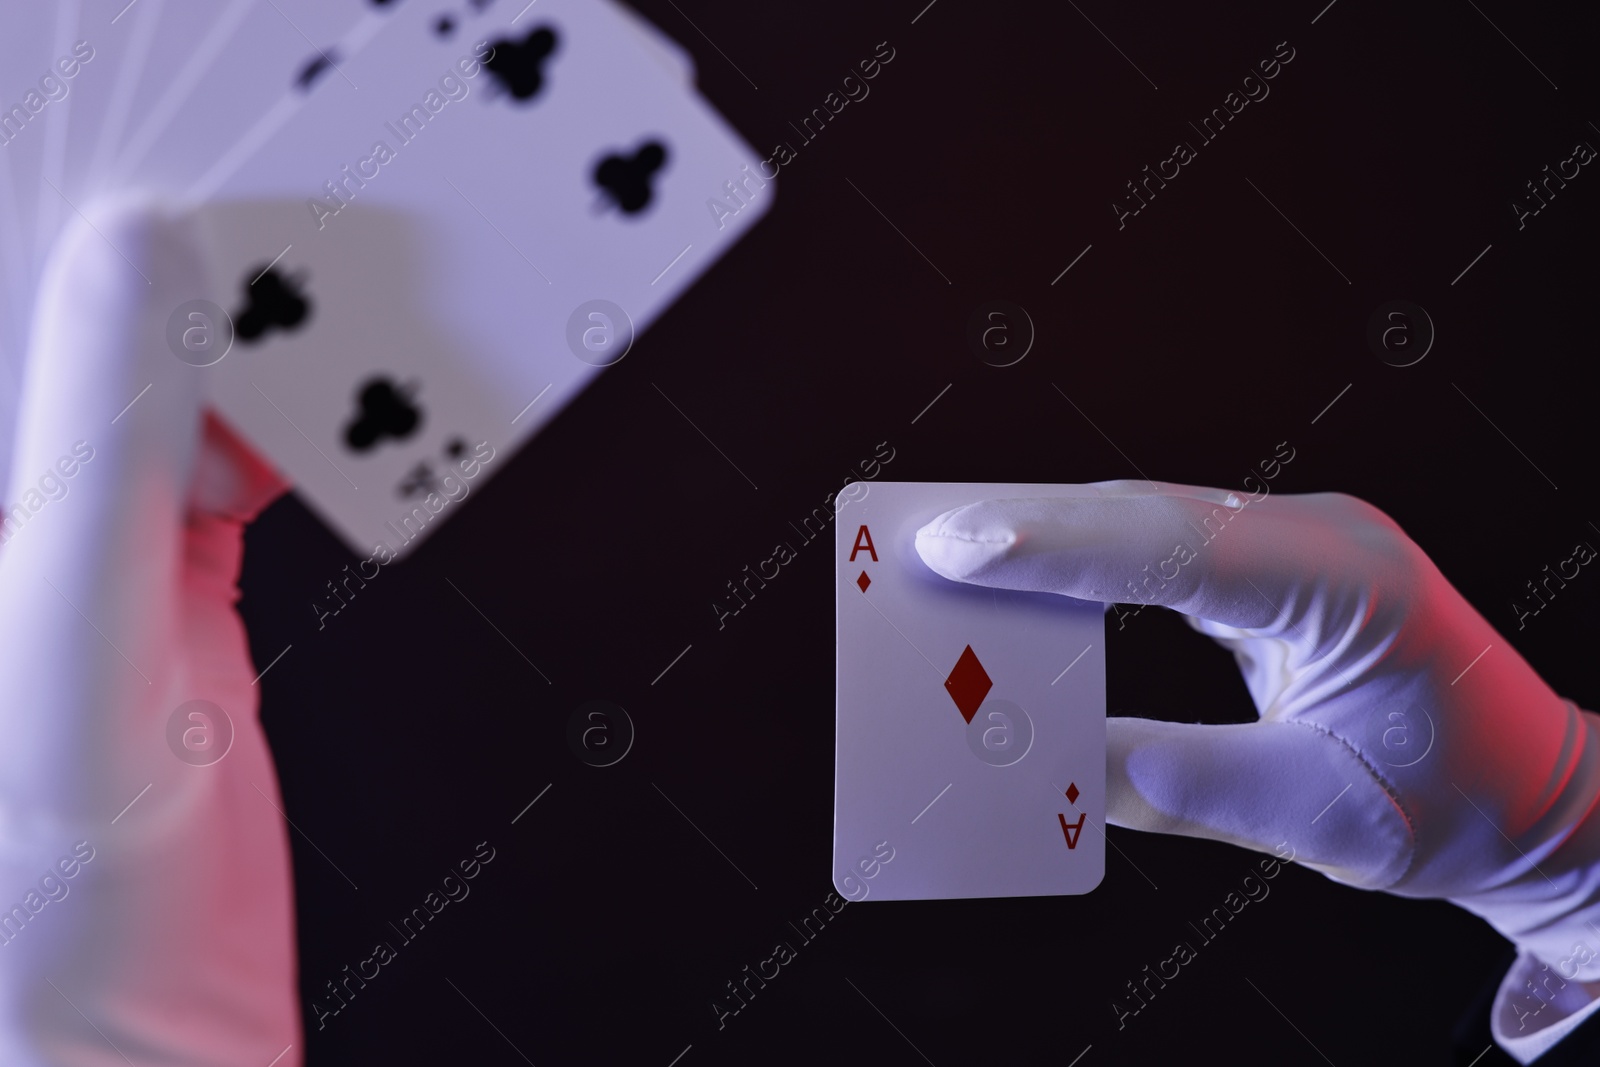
(971, 743)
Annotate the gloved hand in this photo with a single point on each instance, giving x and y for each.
(1402, 744)
(145, 902)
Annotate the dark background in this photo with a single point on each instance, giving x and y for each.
(1196, 338)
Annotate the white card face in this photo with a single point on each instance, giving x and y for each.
(671, 54)
(971, 749)
(125, 39)
(220, 72)
(46, 148)
(516, 221)
(33, 124)
(365, 416)
(26, 57)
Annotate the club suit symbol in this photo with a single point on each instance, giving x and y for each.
(519, 66)
(273, 299)
(316, 67)
(626, 179)
(386, 410)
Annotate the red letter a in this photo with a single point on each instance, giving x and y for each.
(863, 541)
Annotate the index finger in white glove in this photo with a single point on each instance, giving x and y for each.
(1213, 554)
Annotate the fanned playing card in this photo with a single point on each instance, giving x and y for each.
(116, 97)
(971, 751)
(396, 319)
(456, 249)
(35, 91)
(221, 75)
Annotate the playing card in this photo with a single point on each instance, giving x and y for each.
(125, 43)
(670, 53)
(49, 145)
(501, 208)
(365, 416)
(971, 747)
(31, 91)
(220, 77)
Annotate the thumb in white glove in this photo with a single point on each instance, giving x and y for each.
(173, 942)
(1402, 744)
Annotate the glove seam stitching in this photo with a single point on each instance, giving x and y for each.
(1394, 797)
(945, 535)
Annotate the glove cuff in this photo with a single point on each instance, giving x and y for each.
(1535, 1008)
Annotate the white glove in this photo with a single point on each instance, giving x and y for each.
(1402, 745)
(145, 902)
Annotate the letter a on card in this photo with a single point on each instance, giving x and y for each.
(863, 543)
